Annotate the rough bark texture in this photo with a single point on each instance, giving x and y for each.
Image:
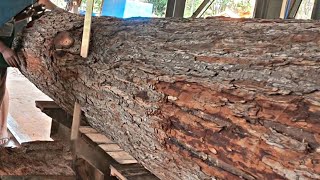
(190, 99)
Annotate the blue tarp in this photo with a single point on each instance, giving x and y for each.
(10, 8)
(126, 8)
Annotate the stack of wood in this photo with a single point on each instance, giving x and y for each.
(190, 98)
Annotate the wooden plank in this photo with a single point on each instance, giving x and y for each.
(54, 111)
(122, 157)
(98, 138)
(12, 143)
(110, 147)
(87, 129)
(14, 128)
(116, 173)
(131, 172)
(86, 30)
(95, 155)
(42, 105)
(75, 132)
(75, 122)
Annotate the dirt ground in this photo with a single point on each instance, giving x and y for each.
(36, 159)
(29, 120)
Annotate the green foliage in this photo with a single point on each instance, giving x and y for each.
(159, 7)
(96, 6)
(218, 6)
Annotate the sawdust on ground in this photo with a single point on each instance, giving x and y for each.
(36, 158)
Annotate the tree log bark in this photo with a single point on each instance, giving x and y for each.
(190, 98)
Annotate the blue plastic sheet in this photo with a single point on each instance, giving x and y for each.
(10, 8)
(126, 8)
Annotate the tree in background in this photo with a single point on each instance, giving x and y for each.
(159, 7)
(243, 8)
(96, 7)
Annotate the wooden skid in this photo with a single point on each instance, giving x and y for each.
(96, 154)
(107, 145)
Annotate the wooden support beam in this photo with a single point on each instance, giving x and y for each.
(200, 8)
(58, 115)
(175, 8)
(107, 145)
(268, 9)
(316, 10)
(131, 172)
(75, 131)
(75, 122)
(43, 105)
(95, 152)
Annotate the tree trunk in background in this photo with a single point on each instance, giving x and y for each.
(190, 99)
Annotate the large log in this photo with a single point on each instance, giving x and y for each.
(190, 98)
